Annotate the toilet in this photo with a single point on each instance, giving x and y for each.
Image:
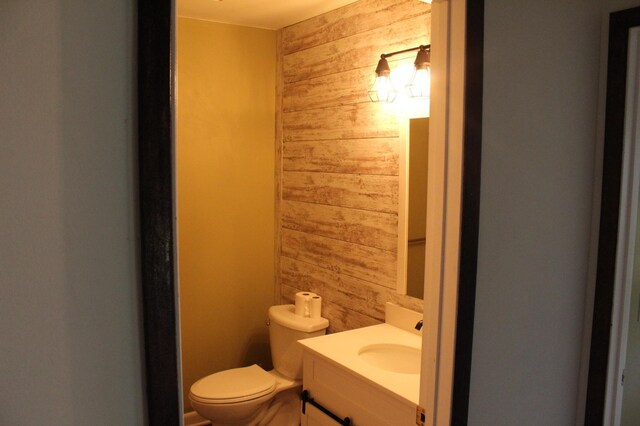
(251, 396)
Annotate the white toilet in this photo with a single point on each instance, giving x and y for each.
(250, 396)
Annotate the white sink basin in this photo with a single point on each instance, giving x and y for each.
(386, 355)
(392, 357)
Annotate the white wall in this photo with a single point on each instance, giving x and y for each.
(539, 140)
(70, 351)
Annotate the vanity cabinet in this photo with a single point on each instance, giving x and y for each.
(315, 417)
(347, 394)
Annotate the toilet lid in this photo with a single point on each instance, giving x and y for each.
(235, 385)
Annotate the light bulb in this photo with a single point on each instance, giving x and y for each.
(420, 84)
(382, 90)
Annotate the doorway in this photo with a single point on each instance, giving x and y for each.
(156, 137)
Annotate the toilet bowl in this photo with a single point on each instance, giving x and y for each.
(251, 396)
(243, 396)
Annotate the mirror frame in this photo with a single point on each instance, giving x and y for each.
(155, 58)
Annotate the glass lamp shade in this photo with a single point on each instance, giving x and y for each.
(420, 84)
(382, 90)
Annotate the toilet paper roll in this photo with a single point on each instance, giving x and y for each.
(315, 307)
(303, 303)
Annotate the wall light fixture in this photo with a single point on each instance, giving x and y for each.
(383, 89)
(420, 84)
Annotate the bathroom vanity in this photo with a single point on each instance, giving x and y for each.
(370, 375)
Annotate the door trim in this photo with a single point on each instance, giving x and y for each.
(619, 25)
(157, 232)
(470, 220)
(157, 214)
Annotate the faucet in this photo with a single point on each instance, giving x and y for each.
(419, 325)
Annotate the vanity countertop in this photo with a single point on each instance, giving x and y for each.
(342, 349)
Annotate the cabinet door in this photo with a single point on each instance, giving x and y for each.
(315, 417)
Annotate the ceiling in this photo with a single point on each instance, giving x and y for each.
(270, 14)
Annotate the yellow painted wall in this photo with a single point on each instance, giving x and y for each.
(225, 194)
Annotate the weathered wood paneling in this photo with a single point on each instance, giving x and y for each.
(366, 263)
(373, 229)
(358, 50)
(358, 121)
(338, 172)
(351, 19)
(366, 192)
(365, 156)
(347, 88)
(357, 295)
(341, 316)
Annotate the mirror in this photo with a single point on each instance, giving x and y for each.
(412, 211)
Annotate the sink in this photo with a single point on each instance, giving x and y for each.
(388, 355)
(392, 357)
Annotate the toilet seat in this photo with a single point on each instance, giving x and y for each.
(234, 385)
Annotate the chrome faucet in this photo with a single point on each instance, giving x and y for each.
(419, 325)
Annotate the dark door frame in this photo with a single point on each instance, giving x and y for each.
(619, 25)
(157, 233)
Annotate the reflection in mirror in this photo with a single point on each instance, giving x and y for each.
(413, 208)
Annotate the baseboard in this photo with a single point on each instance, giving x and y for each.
(194, 419)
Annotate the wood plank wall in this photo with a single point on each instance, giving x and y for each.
(338, 159)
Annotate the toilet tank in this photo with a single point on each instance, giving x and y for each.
(285, 329)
